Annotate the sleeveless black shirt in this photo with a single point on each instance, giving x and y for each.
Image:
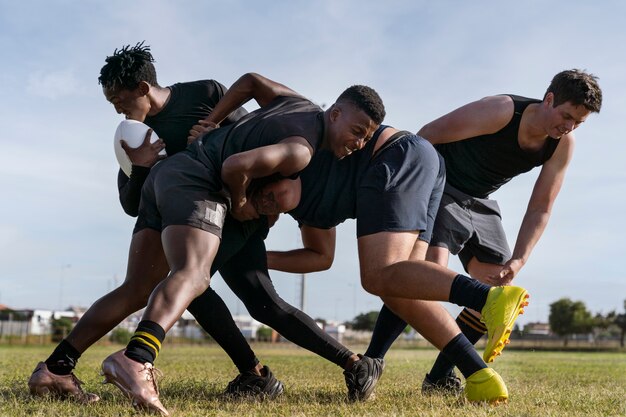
(480, 165)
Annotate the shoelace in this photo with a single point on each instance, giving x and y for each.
(152, 374)
(75, 380)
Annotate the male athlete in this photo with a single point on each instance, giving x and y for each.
(485, 144)
(395, 192)
(253, 379)
(129, 82)
(185, 200)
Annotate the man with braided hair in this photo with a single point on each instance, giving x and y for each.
(135, 104)
(185, 200)
(129, 82)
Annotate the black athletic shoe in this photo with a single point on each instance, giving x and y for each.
(251, 385)
(362, 378)
(448, 385)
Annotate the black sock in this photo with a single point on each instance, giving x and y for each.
(63, 359)
(462, 353)
(145, 344)
(387, 329)
(468, 292)
(473, 329)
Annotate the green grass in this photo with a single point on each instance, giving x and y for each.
(540, 384)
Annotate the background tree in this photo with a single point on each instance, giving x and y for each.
(264, 334)
(620, 321)
(364, 321)
(60, 328)
(121, 336)
(569, 317)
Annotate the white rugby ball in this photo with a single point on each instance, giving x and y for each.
(133, 133)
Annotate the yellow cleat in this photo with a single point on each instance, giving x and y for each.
(503, 306)
(486, 386)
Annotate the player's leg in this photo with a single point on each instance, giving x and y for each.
(485, 238)
(388, 325)
(190, 252)
(55, 375)
(213, 315)
(254, 379)
(482, 257)
(192, 219)
(429, 318)
(387, 329)
(246, 274)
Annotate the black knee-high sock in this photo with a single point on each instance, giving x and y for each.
(462, 353)
(473, 329)
(145, 344)
(468, 292)
(63, 359)
(387, 329)
(213, 315)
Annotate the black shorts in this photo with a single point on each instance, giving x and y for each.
(470, 227)
(401, 189)
(182, 191)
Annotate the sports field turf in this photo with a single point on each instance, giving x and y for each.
(540, 384)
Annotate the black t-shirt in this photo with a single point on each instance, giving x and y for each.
(329, 187)
(480, 165)
(188, 103)
(282, 118)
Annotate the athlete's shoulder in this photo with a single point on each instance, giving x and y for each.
(199, 85)
(296, 103)
(522, 99)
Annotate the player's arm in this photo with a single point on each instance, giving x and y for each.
(481, 117)
(130, 189)
(247, 87)
(286, 158)
(542, 199)
(317, 254)
(216, 92)
(142, 158)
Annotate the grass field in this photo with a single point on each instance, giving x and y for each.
(540, 384)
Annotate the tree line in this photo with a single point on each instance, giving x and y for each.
(567, 318)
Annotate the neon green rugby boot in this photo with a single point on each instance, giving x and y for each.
(486, 386)
(503, 306)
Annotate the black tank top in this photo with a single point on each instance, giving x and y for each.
(480, 165)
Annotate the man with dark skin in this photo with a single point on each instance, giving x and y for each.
(394, 191)
(186, 197)
(129, 82)
(169, 111)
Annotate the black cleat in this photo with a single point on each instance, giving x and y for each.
(362, 378)
(447, 385)
(250, 385)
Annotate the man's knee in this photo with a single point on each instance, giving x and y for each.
(135, 294)
(269, 312)
(195, 279)
(373, 281)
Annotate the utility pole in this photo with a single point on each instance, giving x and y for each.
(302, 291)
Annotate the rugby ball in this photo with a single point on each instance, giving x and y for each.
(133, 132)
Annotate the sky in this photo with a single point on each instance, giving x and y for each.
(64, 237)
